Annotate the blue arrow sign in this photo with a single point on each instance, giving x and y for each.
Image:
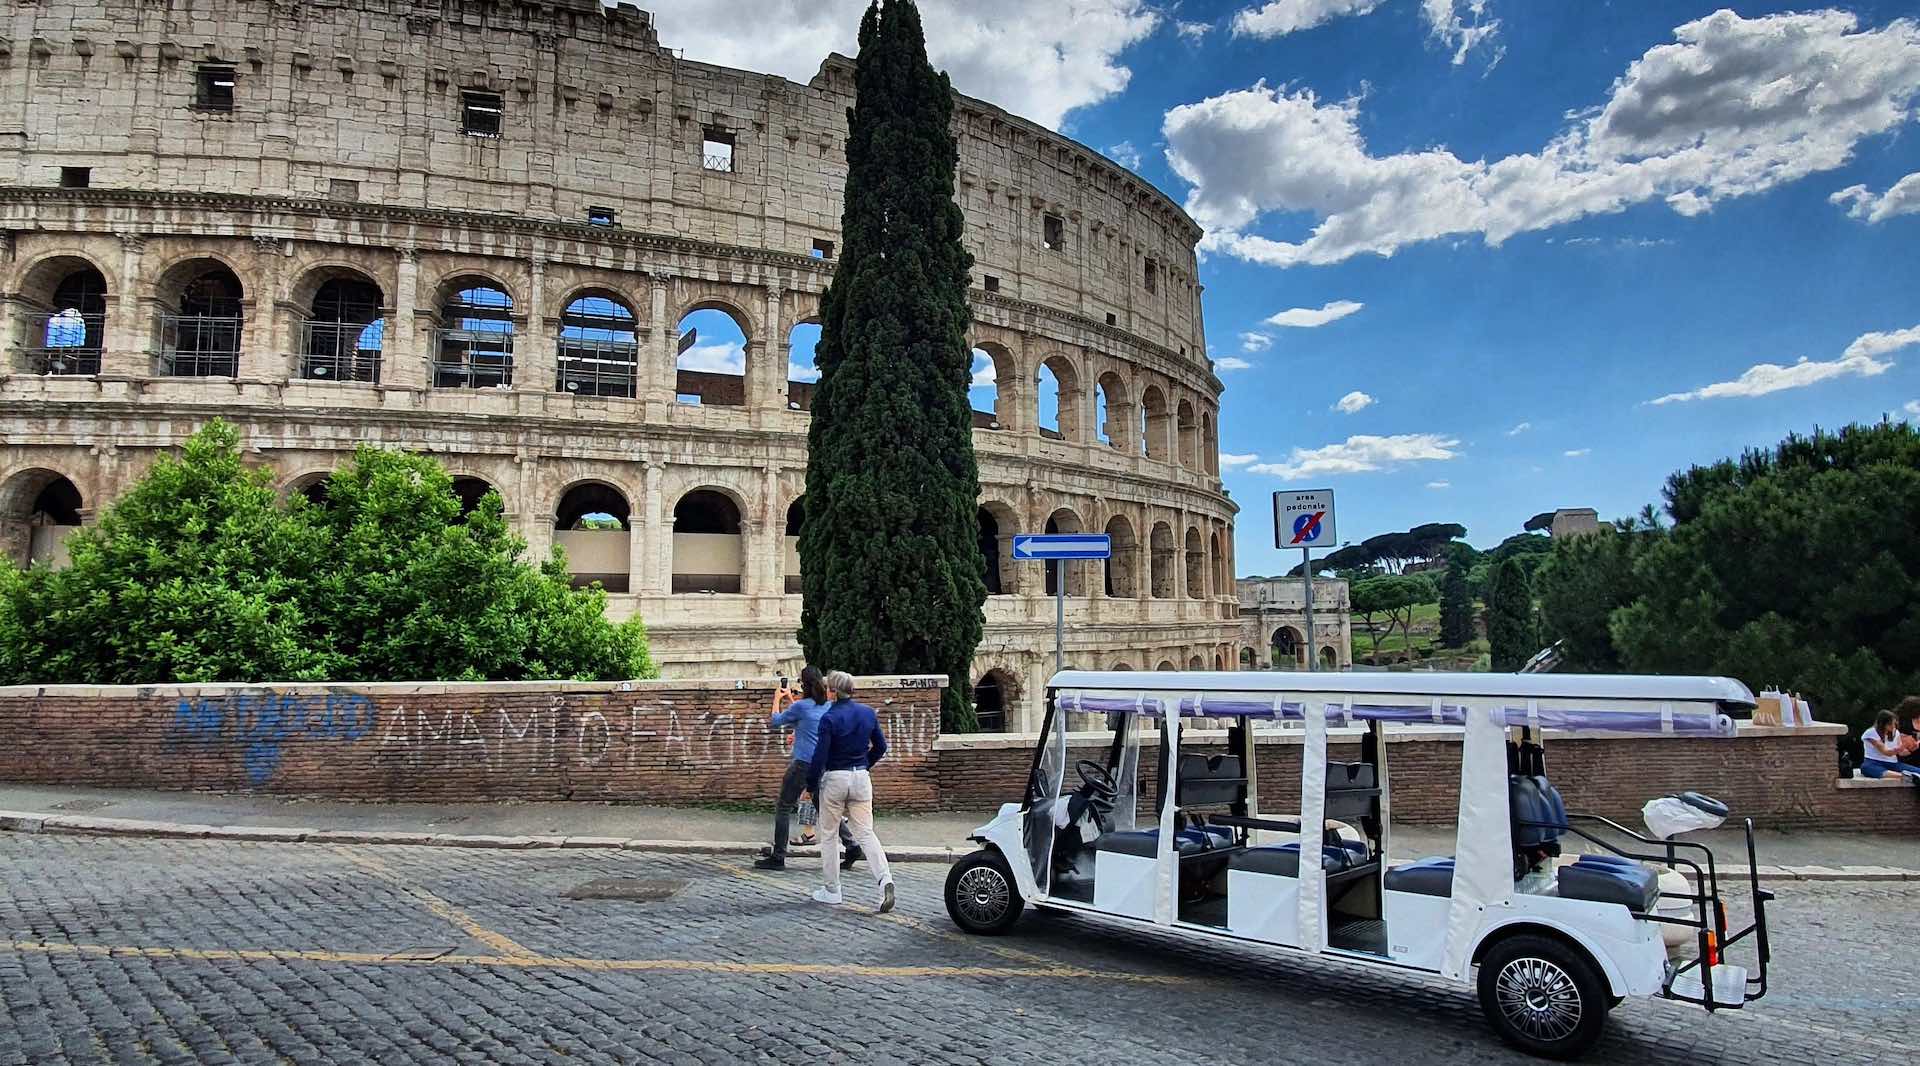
(1038, 546)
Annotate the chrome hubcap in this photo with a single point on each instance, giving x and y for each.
(1539, 998)
(983, 895)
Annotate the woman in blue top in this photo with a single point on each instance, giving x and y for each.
(803, 716)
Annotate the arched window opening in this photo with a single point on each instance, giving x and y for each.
(1166, 665)
(1189, 437)
(1196, 663)
(1160, 545)
(39, 510)
(1065, 521)
(68, 338)
(1155, 424)
(1121, 566)
(1110, 402)
(343, 337)
(316, 489)
(1328, 660)
(1047, 414)
(711, 369)
(790, 559)
(470, 491)
(1210, 443)
(1057, 399)
(803, 367)
(1119, 667)
(992, 695)
(599, 352)
(707, 555)
(1289, 649)
(983, 390)
(1219, 660)
(200, 337)
(474, 348)
(990, 550)
(1196, 565)
(1223, 584)
(1246, 658)
(592, 525)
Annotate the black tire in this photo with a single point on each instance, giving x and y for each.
(981, 894)
(1543, 996)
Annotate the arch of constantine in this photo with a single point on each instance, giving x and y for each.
(487, 230)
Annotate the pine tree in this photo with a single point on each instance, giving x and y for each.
(1456, 608)
(1510, 628)
(893, 576)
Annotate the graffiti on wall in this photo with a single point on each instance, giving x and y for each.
(264, 721)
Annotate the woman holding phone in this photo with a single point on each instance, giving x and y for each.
(803, 717)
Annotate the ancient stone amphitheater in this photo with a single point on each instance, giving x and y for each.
(531, 240)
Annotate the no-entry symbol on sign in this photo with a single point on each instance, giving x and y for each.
(1306, 528)
(1303, 518)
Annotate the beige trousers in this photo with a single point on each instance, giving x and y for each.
(849, 793)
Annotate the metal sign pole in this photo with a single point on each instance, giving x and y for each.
(1306, 570)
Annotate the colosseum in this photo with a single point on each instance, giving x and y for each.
(529, 239)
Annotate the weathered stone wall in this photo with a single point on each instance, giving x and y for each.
(684, 742)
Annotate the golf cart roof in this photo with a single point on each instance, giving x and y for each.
(1619, 702)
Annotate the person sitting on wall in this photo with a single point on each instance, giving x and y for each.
(1883, 745)
(1909, 714)
(803, 715)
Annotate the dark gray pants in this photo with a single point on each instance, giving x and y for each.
(791, 785)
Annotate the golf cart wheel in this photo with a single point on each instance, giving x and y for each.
(981, 897)
(1543, 996)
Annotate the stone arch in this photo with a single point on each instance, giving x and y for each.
(1120, 668)
(712, 364)
(203, 306)
(1155, 424)
(1289, 648)
(469, 489)
(39, 276)
(1209, 443)
(598, 346)
(1122, 567)
(312, 483)
(1160, 548)
(998, 525)
(1066, 397)
(1113, 411)
(1218, 565)
(593, 524)
(993, 386)
(995, 695)
(65, 328)
(790, 544)
(1329, 659)
(342, 331)
(1189, 435)
(1196, 564)
(803, 368)
(1066, 520)
(474, 347)
(39, 509)
(1246, 658)
(708, 549)
(1166, 665)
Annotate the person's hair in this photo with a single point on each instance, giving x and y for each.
(812, 685)
(1883, 722)
(1909, 709)
(840, 683)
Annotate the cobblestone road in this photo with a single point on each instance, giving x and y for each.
(125, 951)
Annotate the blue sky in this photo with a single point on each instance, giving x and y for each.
(1588, 207)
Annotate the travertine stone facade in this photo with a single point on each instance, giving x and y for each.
(1273, 624)
(338, 222)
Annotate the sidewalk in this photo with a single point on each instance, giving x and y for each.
(938, 837)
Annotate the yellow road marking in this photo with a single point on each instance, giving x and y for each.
(443, 910)
(557, 962)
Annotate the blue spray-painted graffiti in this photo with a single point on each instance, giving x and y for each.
(265, 720)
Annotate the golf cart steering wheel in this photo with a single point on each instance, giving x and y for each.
(1096, 778)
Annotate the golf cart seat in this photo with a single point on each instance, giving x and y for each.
(1146, 842)
(1611, 879)
(1283, 860)
(1426, 877)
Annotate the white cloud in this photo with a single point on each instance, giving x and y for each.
(1575, 453)
(1354, 402)
(802, 372)
(983, 371)
(1461, 25)
(1036, 60)
(1125, 154)
(728, 358)
(1902, 199)
(1439, 484)
(1255, 342)
(1232, 362)
(1912, 408)
(1313, 317)
(1230, 459)
(1519, 429)
(1193, 32)
(1762, 378)
(1276, 18)
(1362, 454)
(1734, 107)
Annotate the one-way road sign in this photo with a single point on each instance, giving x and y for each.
(1037, 546)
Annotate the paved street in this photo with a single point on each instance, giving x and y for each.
(129, 951)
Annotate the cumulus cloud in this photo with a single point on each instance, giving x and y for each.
(1519, 429)
(1039, 61)
(1363, 454)
(1255, 342)
(1313, 317)
(1859, 360)
(1732, 107)
(1902, 199)
(1439, 484)
(983, 372)
(1193, 32)
(1125, 154)
(1461, 25)
(1231, 362)
(1912, 408)
(1229, 459)
(1276, 18)
(1353, 402)
(1575, 453)
(729, 358)
(802, 372)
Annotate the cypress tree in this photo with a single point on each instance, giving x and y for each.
(1456, 608)
(1510, 628)
(893, 578)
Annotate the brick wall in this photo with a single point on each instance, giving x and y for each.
(1781, 778)
(646, 741)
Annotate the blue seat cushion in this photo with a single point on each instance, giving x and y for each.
(1637, 887)
(1147, 842)
(1284, 860)
(1427, 877)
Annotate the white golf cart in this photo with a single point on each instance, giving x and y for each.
(1558, 943)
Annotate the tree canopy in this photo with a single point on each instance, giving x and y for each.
(892, 575)
(1392, 597)
(200, 574)
(1511, 633)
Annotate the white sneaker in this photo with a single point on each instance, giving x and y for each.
(886, 897)
(824, 894)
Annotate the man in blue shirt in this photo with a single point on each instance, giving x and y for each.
(803, 715)
(850, 743)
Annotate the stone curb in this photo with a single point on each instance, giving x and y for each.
(78, 825)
